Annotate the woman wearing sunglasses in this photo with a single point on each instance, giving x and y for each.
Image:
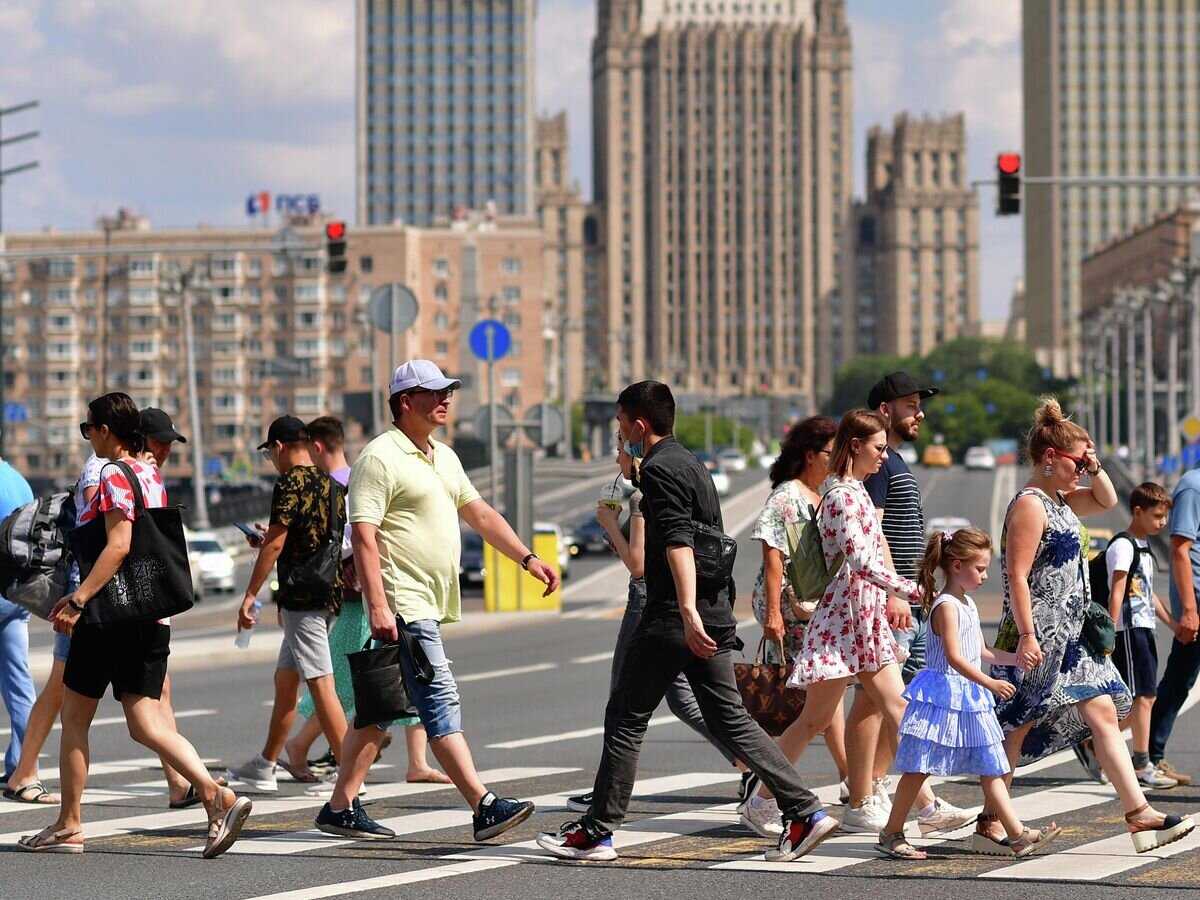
(1065, 691)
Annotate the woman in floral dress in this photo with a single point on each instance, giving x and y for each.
(1064, 689)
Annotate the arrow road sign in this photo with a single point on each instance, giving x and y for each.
(501, 340)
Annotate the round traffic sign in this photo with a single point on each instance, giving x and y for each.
(490, 340)
(393, 298)
(505, 423)
(544, 425)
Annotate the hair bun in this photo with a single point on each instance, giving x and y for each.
(1049, 412)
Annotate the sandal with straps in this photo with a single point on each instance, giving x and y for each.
(50, 841)
(896, 846)
(1025, 845)
(986, 844)
(1148, 837)
(224, 825)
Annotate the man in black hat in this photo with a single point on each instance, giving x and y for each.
(160, 434)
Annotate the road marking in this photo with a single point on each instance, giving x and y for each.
(120, 720)
(594, 658)
(1001, 494)
(116, 767)
(504, 673)
(343, 888)
(568, 735)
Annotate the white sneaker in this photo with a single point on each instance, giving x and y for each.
(945, 817)
(763, 819)
(1151, 777)
(844, 791)
(257, 773)
(866, 818)
(882, 791)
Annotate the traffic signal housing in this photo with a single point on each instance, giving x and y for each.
(335, 247)
(1008, 180)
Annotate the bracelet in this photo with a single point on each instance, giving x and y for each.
(525, 561)
(75, 606)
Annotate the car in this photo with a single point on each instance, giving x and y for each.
(981, 458)
(564, 549)
(590, 537)
(732, 460)
(720, 481)
(908, 453)
(212, 564)
(471, 571)
(945, 523)
(710, 461)
(767, 460)
(937, 455)
(1099, 539)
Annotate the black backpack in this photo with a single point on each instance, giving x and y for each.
(34, 559)
(1098, 572)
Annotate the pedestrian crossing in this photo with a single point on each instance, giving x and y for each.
(674, 824)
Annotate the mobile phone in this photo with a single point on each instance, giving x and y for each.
(248, 530)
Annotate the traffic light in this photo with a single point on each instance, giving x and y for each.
(335, 247)
(1008, 180)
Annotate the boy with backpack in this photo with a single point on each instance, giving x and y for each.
(1124, 577)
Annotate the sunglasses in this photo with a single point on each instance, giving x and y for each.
(85, 428)
(444, 394)
(1080, 464)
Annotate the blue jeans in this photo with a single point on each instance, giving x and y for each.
(437, 703)
(912, 639)
(16, 684)
(1183, 665)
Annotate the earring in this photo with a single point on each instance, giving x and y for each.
(1048, 471)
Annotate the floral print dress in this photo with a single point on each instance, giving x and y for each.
(849, 632)
(787, 505)
(1059, 594)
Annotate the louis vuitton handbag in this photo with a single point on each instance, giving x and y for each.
(765, 692)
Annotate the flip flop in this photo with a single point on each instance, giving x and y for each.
(191, 798)
(298, 774)
(50, 841)
(34, 792)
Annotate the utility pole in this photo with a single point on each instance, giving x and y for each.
(183, 285)
(1114, 369)
(1151, 468)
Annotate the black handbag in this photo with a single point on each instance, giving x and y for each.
(715, 553)
(155, 578)
(379, 693)
(317, 575)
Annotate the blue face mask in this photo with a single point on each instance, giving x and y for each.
(635, 450)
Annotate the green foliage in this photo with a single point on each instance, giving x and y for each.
(689, 431)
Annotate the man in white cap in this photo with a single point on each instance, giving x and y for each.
(407, 495)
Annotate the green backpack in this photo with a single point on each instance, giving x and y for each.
(807, 572)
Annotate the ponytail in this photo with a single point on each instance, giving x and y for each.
(930, 563)
(943, 548)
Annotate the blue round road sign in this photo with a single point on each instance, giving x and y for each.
(500, 339)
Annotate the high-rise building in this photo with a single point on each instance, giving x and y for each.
(915, 275)
(722, 166)
(445, 108)
(1110, 90)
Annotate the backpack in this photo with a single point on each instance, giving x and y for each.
(35, 563)
(807, 572)
(1098, 572)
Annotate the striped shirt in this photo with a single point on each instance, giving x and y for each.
(894, 489)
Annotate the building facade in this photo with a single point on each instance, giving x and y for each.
(272, 334)
(914, 281)
(722, 147)
(445, 108)
(1110, 89)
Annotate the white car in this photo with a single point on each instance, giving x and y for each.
(720, 481)
(908, 453)
(212, 565)
(564, 549)
(945, 523)
(980, 458)
(732, 460)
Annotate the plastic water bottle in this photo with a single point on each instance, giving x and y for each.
(242, 641)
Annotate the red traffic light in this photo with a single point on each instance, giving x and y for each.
(335, 231)
(1009, 163)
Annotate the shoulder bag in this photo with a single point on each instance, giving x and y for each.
(715, 553)
(318, 574)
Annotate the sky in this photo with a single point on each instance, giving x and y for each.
(179, 110)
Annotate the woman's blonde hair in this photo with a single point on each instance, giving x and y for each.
(858, 424)
(943, 548)
(1052, 430)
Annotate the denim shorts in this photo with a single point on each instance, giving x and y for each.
(62, 646)
(912, 639)
(437, 702)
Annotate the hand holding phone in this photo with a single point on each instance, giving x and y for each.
(254, 536)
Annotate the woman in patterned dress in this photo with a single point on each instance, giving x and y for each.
(1064, 690)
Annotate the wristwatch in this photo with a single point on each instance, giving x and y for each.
(1094, 472)
(525, 561)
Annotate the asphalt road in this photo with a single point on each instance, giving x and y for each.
(533, 692)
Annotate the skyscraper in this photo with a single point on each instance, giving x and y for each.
(722, 152)
(445, 108)
(1110, 89)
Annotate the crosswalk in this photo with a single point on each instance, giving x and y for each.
(674, 823)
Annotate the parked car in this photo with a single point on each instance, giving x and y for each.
(732, 460)
(945, 523)
(212, 564)
(937, 455)
(710, 461)
(981, 458)
(564, 550)
(590, 537)
(470, 564)
(908, 453)
(720, 481)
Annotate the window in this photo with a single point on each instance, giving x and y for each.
(512, 319)
(142, 267)
(440, 294)
(441, 267)
(441, 322)
(313, 292)
(254, 267)
(254, 294)
(226, 321)
(337, 292)
(229, 293)
(143, 349)
(142, 296)
(225, 267)
(280, 266)
(61, 297)
(281, 293)
(510, 266)
(309, 319)
(511, 293)
(441, 348)
(366, 265)
(511, 377)
(306, 348)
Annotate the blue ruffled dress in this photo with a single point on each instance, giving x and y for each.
(950, 726)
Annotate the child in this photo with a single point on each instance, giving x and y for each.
(1133, 605)
(950, 726)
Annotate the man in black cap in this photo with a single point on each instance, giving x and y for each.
(160, 434)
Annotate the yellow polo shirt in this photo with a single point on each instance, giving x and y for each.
(414, 502)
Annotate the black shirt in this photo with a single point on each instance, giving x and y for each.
(894, 489)
(677, 491)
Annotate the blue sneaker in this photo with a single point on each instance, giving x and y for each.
(352, 823)
(498, 814)
(575, 840)
(801, 836)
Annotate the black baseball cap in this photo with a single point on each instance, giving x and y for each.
(898, 384)
(285, 430)
(158, 425)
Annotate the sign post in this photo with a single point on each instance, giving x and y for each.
(393, 310)
(491, 340)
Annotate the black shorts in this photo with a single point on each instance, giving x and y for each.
(1136, 658)
(132, 658)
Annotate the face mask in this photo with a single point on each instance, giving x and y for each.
(635, 450)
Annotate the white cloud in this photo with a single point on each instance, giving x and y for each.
(133, 100)
(564, 74)
(18, 25)
(971, 24)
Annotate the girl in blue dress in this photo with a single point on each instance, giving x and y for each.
(950, 725)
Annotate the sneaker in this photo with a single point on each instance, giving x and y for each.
(353, 823)
(575, 840)
(762, 818)
(1086, 754)
(866, 818)
(882, 788)
(749, 784)
(580, 803)
(945, 817)
(324, 787)
(844, 791)
(1171, 772)
(800, 836)
(1153, 777)
(498, 814)
(257, 773)
(323, 764)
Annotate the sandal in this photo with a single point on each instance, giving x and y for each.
(1149, 837)
(986, 844)
(50, 841)
(34, 792)
(896, 846)
(191, 798)
(225, 825)
(1025, 845)
(302, 775)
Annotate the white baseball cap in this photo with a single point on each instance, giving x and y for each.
(421, 373)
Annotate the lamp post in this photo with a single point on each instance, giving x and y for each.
(1114, 371)
(1151, 467)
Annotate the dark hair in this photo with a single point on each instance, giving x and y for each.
(328, 430)
(942, 548)
(1052, 430)
(120, 414)
(1149, 494)
(858, 424)
(652, 401)
(806, 436)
